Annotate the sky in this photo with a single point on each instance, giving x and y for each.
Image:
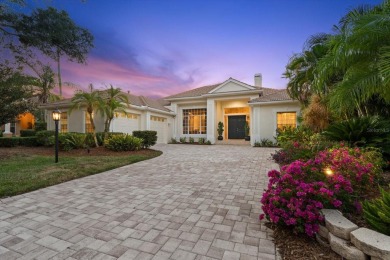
(157, 48)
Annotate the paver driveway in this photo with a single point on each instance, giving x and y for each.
(193, 202)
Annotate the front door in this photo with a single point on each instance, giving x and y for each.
(236, 127)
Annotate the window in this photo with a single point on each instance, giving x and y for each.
(286, 119)
(64, 122)
(157, 118)
(195, 121)
(88, 125)
(132, 116)
(13, 127)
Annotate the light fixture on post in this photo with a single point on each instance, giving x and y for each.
(56, 117)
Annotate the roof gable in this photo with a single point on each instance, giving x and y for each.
(232, 85)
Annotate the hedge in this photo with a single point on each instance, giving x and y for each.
(149, 138)
(28, 141)
(9, 141)
(27, 132)
(40, 126)
(43, 137)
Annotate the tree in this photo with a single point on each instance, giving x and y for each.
(301, 69)
(112, 101)
(55, 34)
(360, 51)
(92, 103)
(14, 97)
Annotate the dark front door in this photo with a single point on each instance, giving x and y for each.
(236, 127)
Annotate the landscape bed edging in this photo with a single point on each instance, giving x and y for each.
(351, 242)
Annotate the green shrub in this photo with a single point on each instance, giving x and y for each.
(43, 137)
(27, 132)
(377, 212)
(201, 140)
(1, 133)
(149, 138)
(290, 134)
(100, 138)
(9, 141)
(30, 141)
(69, 141)
(191, 140)
(257, 144)
(123, 142)
(362, 132)
(183, 140)
(173, 141)
(208, 142)
(40, 126)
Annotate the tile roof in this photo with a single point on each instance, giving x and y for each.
(196, 92)
(270, 95)
(133, 100)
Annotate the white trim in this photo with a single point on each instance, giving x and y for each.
(242, 84)
(273, 102)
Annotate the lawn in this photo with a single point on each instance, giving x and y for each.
(30, 170)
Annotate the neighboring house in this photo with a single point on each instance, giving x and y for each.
(196, 113)
(21, 122)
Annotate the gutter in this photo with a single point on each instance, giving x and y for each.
(273, 102)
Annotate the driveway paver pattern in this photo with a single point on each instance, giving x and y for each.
(192, 202)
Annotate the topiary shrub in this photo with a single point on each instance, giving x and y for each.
(377, 212)
(149, 138)
(40, 126)
(9, 141)
(123, 142)
(30, 141)
(27, 132)
(43, 137)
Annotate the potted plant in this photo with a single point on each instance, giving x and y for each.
(220, 130)
(246, 128)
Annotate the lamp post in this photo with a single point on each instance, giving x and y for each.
(56, 118)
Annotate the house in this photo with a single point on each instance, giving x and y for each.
(21, 122)
(196, 113)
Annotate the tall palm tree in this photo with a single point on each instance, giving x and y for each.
(92, 102)
(112, 100)
(301, 69)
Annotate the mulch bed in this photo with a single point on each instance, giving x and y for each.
(97, 151)
(298, 246)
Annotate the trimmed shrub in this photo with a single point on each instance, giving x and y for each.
(149, 138)
(43, 137)
(208, 142)
(173, 141)
(201, 140)
(9, 141)
(377, 212)
(27, 132)
(191, 140)
(30, 141)
(183, 140)
(123, 142)
(40, 126)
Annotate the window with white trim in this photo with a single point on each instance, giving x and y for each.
(195, 121)
(64, 122)
(286, 119)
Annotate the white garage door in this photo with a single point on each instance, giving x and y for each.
(126, 123)
(159, 124)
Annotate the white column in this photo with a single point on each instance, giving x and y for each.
(211, 120)
(147, 115)
(176, 122)
(255, 122)
(7, 132)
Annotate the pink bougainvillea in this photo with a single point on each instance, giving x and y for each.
(297, 193)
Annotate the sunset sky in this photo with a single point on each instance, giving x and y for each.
(161, 47)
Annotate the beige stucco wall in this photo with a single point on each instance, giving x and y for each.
(264, 119)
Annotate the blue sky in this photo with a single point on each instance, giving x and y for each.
(161, 47)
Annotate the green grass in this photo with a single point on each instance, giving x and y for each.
(20, 174)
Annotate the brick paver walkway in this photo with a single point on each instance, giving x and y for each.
(193, 202)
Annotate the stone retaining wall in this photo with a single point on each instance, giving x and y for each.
(350, 241)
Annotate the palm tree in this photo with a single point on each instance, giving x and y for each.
(360, 51)
(301, 69)
(92, 102)
(113, 100)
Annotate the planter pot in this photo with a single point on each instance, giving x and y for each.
(247, 138)
(220, 137)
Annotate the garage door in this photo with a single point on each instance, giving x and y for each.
(160, 125)
(126, 123)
